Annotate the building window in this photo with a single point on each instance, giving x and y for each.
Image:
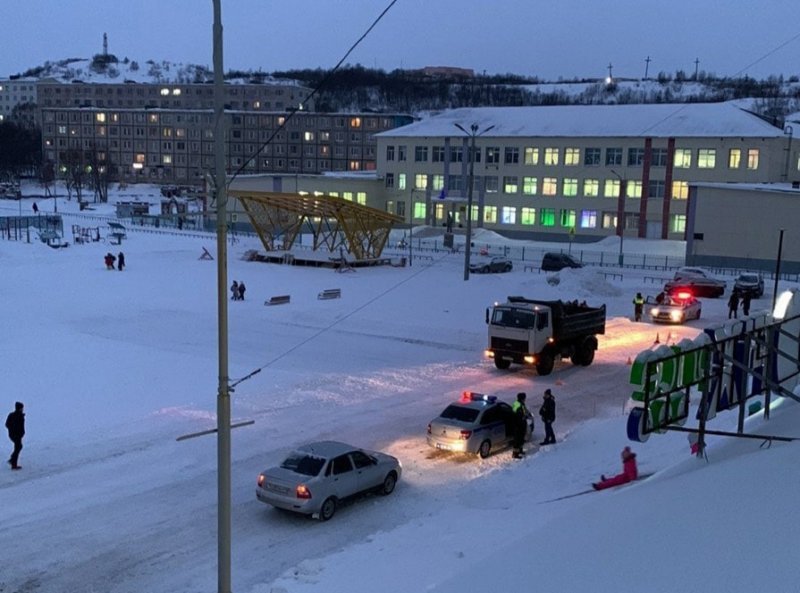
(683, 158)
(551, 156)
(568, 218)
(529, 186)
(655, 189)
(572, 156)
(421, 154)
(492, 155)
(633, 189)
(401, 153)
(528, 216)
(635, 157)
(591, 157)
(570, 188)
(390, 180)
(531, 155)
(613, 156)
(401, 181)
(591, 188)
(611, 188)
(706, 158)
(548, 216)
(509, 215)
(438, 182)
(512, 156)
(419, 210)
(492, 184)
(734, 158)
(677, 223)
(490, 214)
(680, 190)
(658, 157)
(456, 154)
(361, 197)
(438, 154)
(609, 220)
(752, 159)
(510, 185)
(420, 181)
(101, 118)
(549, 186)
(355, 122)
(390, 153)
(588, 219)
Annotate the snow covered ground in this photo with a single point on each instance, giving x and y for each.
(114, 366)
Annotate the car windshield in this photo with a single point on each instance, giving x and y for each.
(302, 463)
(748, 278)
(509, 317)
(460, 413)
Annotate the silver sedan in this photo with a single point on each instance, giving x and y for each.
(315, 478)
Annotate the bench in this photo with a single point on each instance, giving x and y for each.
(278, 300)
(330, 293)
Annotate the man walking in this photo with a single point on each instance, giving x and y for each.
(15, 423)
(548, 414)
(733, 305)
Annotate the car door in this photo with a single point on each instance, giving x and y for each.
(366, 470)
(343, 479)
(492, 426)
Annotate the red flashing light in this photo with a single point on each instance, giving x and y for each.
(683, 295)
(302, 491)
(466, 396)
(465, 434)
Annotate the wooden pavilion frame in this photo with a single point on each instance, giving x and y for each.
(334, 222)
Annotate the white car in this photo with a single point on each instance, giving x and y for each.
(315, 478)
(677, 308)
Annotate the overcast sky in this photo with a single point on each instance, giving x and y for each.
(559, 38)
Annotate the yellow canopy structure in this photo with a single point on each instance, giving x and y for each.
(334, 222)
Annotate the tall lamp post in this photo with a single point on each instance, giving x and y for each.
(472, 133)
(620, 213)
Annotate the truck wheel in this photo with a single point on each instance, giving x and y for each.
(501, 363)
(545, 364)
(587, 354)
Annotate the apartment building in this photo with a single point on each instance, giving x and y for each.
(13, 92)
(177, 145)
(557, 171)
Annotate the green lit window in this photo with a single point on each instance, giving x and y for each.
(706, 158)
(490, 214)
(531, 155)
(510, 185)
(401, 181)
(611, 188)
(570, 188)
(677, 223)
(529, 186)
(419, 210)
(568, 218)
(548, 216)
(683, 158)
(438, 182)
(633, 189)
(528, 216)
(591, 188)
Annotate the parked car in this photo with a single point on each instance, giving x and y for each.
(476, 423)
(696, 281)
(315, 478)
(495, 264)
(553, 262)
(750, 282)
(676, 308)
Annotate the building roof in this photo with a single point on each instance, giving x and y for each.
(683, 120)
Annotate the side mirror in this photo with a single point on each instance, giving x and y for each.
(487, 315)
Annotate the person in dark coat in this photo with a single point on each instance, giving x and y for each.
(235, 291)
(629, 472)
(521, 415)
(15, 423)
(733, 305)
(120, 261)
(548, 415)
(109, 259)
(746, 298)
(241, 290)
(35, 208)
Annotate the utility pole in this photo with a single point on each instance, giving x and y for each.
(696, 66)
(610, 66)
(646, 66)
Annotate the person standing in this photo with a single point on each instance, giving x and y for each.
(120, 261)
(548, 415)
(15, 423)
(521, 415)
(638, 306)
(733, 305)
(35, 208)
(241, 290)
(235, 291)
(746, 298)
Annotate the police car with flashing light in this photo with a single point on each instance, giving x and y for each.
(476, 423)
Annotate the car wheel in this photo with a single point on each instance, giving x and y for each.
(545, 364)
(485, 449)
(501, 363)
(328, 509)
(389, 482)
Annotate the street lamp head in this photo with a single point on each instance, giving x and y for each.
(460, 127)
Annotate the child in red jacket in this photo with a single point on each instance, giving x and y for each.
(629, 472)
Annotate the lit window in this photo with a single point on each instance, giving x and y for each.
(401, 181)
(531, 155)
(355, 165)
(420, 181)
(281, 120)
(683, 158)
(572, 156)
(550, 156)
(734, 158)
(680, 190)
(633, 189)
(419, 209)
(611, 188)
(176, 92)
(490, 214)
(548, 216)
(361, 197)
(101, 117)
(355, 122)
(164, 92)
(678, 223)
(256, 104)
(528, 216)
(509, 215)
(549, 186)
(308, 136)
(492, 155)
(153, 118)
(510, 185)
(568, 218)
(139, 158)
(752, 158)
(588, 219)
(438, 182)
(706, 158)
(591, 188)
(529, 186)
(570, 189)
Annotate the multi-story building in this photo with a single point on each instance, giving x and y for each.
(14, 92)
(550, 172)
(177, 145)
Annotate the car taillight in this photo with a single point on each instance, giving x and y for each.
(302, 491)
(261, 480)
(429, 428)
(465, 434)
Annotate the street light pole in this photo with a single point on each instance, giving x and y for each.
(473, 133)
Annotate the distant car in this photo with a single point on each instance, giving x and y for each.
(676, 308)
(476, 423)
(315, 478)
(750, 282)
(496, 264)
(553, 262)
(696, 281)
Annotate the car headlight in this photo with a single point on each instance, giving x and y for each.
(676, 315)
(654, 311)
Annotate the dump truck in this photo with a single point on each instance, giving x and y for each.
(536, 332)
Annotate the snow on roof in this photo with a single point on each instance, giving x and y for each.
(658, 120)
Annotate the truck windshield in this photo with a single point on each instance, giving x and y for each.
(509, 317)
